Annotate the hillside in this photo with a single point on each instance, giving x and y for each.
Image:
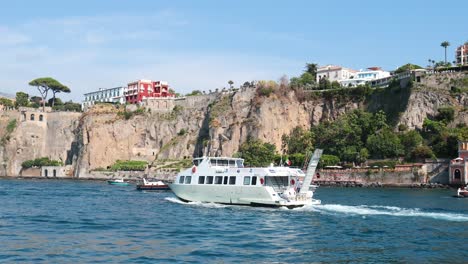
(215, 124)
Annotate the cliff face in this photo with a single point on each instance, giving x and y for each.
(234, 117)
(215, 124)
(52, 137)
(432, 93)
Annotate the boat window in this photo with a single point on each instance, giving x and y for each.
(246, 180)
(222, 162)
(196, 162)
(214, 162)
(232, 163)
(225, 180)
(254, 180)
(181, 179)
(188, 179)
(209, 179)
(232, 180)
(218, 179)
(240, 163)
(201, 179)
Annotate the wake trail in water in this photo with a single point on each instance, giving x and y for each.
(366, 210)
(209, 205)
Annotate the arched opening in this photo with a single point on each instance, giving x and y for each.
(457, 174)
(54, 173)
(41, 118)
(24, 117)
(32, 117)
(46, 173)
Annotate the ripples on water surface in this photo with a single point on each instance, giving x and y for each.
(92, 222)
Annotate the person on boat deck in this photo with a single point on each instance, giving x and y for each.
(299, 186)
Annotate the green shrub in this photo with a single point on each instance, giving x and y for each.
(265, 91)
(182, 132)
(129, 165)
(11, 126)
(39, 162)
(446, 114)
(328, 160)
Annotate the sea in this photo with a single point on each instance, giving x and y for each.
(65, 221)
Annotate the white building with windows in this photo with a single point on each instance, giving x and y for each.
(334, 73)
(363, 77)
(110, 95)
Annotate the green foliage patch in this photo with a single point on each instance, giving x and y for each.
(129, 165)
(39, 162)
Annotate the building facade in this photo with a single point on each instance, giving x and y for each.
(334, 73)
(458, 168)
(461, 54)
(142, 89)
(363, 77)
(110, 95)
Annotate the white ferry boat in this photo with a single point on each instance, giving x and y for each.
(225, 180)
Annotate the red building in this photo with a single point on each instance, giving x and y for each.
(137, 91)
(458, 167)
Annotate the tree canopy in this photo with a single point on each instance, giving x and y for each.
(407, 67)
(46, 84)
(257, 153)
(22, 99)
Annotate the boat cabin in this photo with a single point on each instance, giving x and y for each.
(220, 162)
(231, 171)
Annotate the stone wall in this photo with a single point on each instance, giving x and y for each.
(31, 172)
(60, 171)
(196, 101)
(159, 104)
(381, 176)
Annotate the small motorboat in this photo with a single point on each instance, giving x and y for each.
(152, 186)
(119, 182)
(462, 192)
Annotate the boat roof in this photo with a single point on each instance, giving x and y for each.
(218, 158)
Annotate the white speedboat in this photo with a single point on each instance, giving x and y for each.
(225, 180)
(152, 186)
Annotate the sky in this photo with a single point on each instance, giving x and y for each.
(201, 45)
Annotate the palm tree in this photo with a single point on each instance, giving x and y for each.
(445, 44)
(230, 83)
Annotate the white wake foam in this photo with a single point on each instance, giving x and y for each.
(366, 210)
(209, 205)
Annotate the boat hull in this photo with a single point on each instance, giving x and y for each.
(236, 195)
(118, 183)
(152, 187)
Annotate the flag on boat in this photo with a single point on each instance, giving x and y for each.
(288, 162)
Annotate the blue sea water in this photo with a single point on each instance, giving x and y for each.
(54, 221)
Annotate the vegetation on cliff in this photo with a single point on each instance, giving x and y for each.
(39, 162)
(129, 165)
(9, 129)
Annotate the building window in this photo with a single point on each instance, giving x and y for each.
(246, 180)
(209, 179)
(181, 179)
(218, 179)
(32, 117)
(457, 174)
(41, 118)
(46, 173)
(188, 180)
(232, 180)
(201, 179)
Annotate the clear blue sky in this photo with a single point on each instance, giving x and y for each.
(200, 44)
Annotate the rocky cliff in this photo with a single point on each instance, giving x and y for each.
(214, 124)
